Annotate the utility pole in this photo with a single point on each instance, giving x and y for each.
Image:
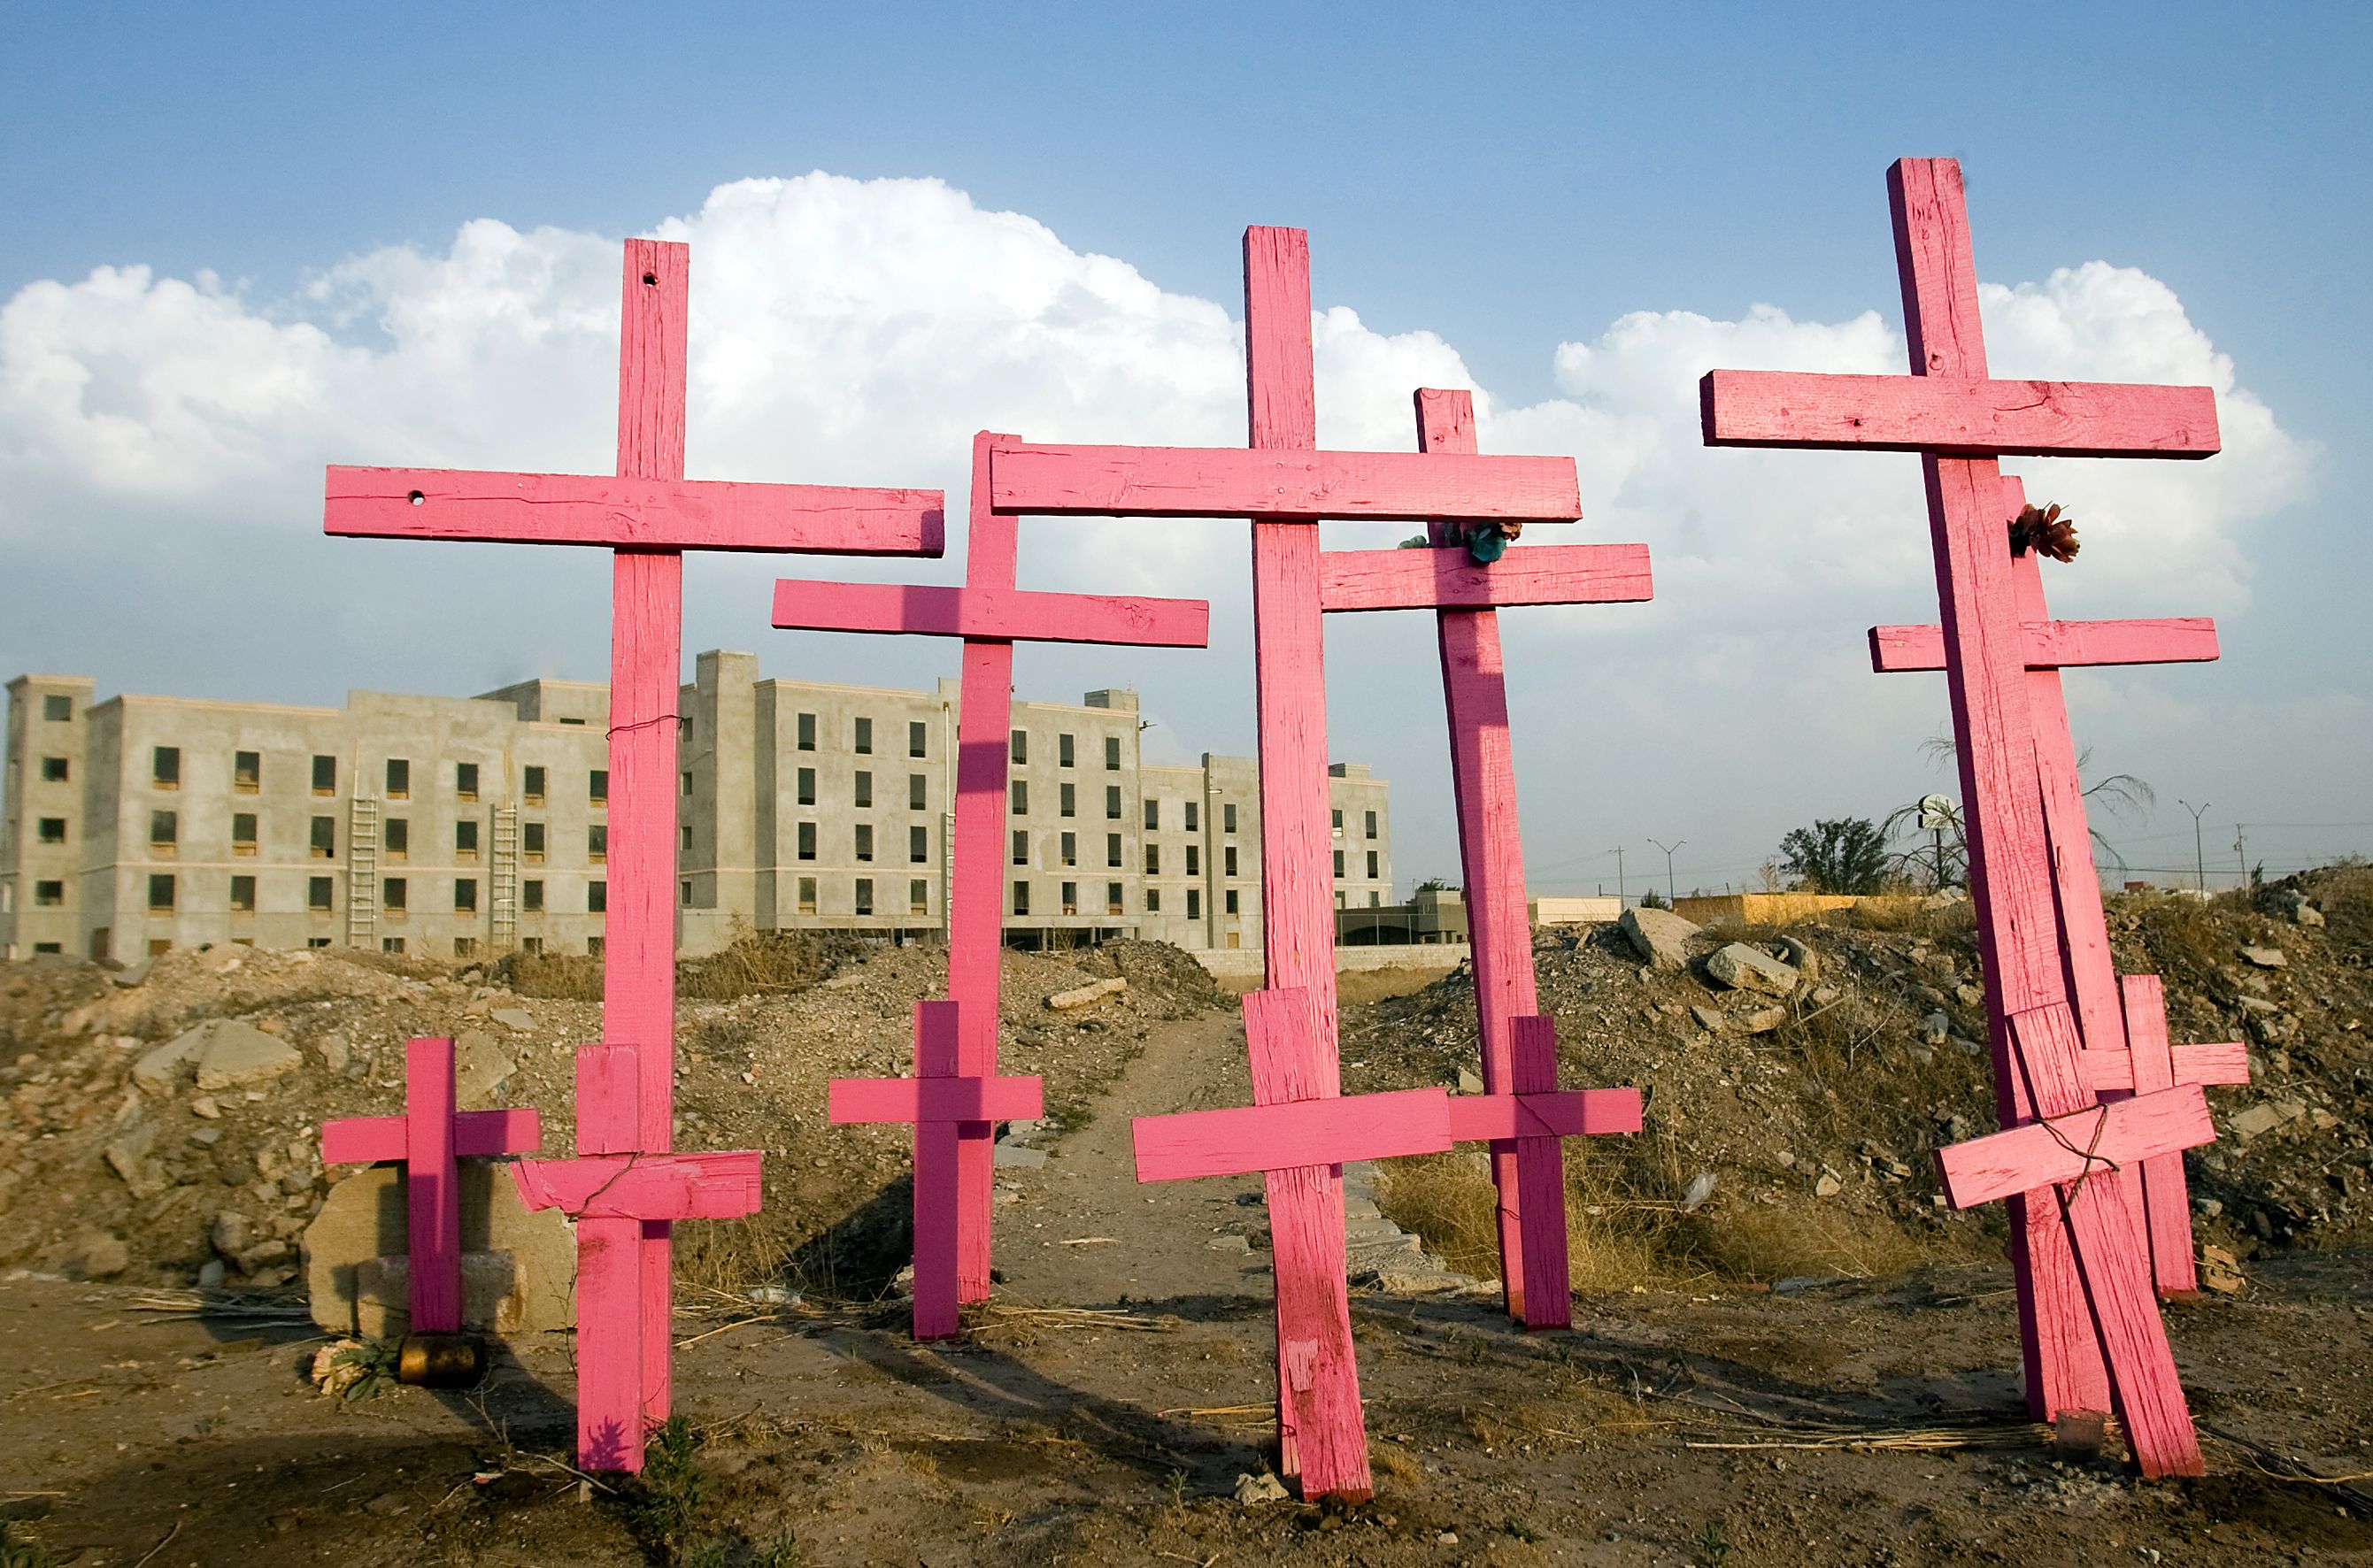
(1618, 877)
(2241, 849)
(1670, 893)
(2199, 855)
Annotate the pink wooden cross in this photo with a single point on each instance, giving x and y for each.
(429, 1137)
(953, 1157)
(2123, 1026)
(1284, 485)
(648, 514)
(1962, 422)
(614, 1198)
(1528, 1172)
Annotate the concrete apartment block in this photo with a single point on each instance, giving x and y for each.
(460, 827)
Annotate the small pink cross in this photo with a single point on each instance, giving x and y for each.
(953, 1157)
(429, 1137)
(1465, 595)
(1284, 485)
(1962, 422)
(614, 1198)
(2124, 1021)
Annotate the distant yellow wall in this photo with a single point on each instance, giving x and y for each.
(1773, 908)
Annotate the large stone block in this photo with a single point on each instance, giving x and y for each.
(1743, 967)
(237, 1054)
(494, 1296)
(1661, 937)
(362, 1224)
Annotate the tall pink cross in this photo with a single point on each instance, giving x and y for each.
(2124, 1024)
(614, 1199)
(1284, 484)
(648, 514)
(1529, 1173)
(429, 1137)
(953, 1157)
(1962, 422)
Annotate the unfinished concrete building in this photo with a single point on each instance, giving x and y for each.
(462, 826)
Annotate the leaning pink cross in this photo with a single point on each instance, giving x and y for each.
(429, 1137)
(2124, 1023)
(1466, 596)
(1284, 485)
(953, 1157)
(649, 514)
(1961, 421)
(614, 1199)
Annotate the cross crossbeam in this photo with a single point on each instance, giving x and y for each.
(1528, 1172)
(648, 514)
(1961, 432)
(614, 1198)
(428, 1138)
(1280, 484)
(956, 1042)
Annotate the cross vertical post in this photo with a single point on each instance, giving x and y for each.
(1962, 421)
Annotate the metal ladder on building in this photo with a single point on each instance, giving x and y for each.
(504, 894)
(362, 870)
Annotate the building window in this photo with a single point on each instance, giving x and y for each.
(465, 895)
(53, 769)
(319, 894)
(1194, 903)
(864, 740)
(1112, 898)
(1153, 901)
(864, 891)
(531, 895)
(807, 895)
(1018, 797)
(597, 786)
(919, 844)
(246, 772)
(1067, 800)
(531, 842)
(919, 792)
(1375, 900)
(399, 839)
(1017, 748)
(1372, 866)
(1112, 848)
(1112, 754)
(1070, 891)
(684, 838)
(164, 831)
(594, 945)
(53, 831)
(243, 894)
(1230, 901)
(1228, 860)
(1063, 757)
(918, 736)
(531, 785)
(683, 786)
(1339, 819)
(392, 945)
(597, 842)
(864, 841)
(1112, 802)
(918, 897)
(807, 840)
(807, 786)
(465, 843)
(1021, 898)
(1154, 816)
(392, 894)
(683, 891)
(1369, 821)
(527, 944)
(1193, 816)
(1069, 849)
(1153, 859)
(50, 895)
(1194, 860)
(242, 833)
(1338, 865)
(1021, 847)
(56, 709)
(807, 732)
(399, 778)
(323, 838)
(864, 790)
(466, 947)
(1228, 818)
(465, 780)
(165, 767)
(597, 897)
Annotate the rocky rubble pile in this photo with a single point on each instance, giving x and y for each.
(161, 1123)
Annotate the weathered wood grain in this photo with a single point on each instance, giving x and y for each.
(2227, 1062)
(1242, 1139)
(1556, 1113)
(643, 1187)
(1448, 577)
(477, 1134)
(1295, 483)
(2115, 1135)
(2167, 1206)
(1957, 417)
(990, 613)
(2060, 645)
(934, 1099)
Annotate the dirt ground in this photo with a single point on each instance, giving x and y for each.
(1103, 1407)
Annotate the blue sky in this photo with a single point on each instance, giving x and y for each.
(1508, 178)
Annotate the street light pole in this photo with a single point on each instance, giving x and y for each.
(2199, 853)
(1620, 890)
(1670, 893)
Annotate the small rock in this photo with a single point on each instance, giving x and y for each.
(1709, 1018)
(237, 1054)
(1761, 1020)
(1936, 1027)
(334, 1051)
(1701, 1190)
(212, 1272)
(233, 1233)
(161, 1068)
(206, 1106)
(1970, 995)
(100, 1255)
(2265, 957)
(1828, 1185)
(518, 1019)
(1017, 1155)
(2264, 1117)
(1228, 1244)
(1825, 994)
(1253, 1490)
(1743, 967)
(1081, 995)
(1469, 1084)
(133, 977)
(1798, 955)
(2220, 1271)
(1447, 1538)
(481, 1067)
(1658, 936)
